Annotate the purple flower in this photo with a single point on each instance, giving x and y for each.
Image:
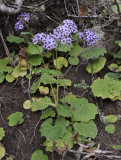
(81, 34)
(63, 40)
(64, 32)
(24, 18)
(69, 40)
(71, 25)
(49, 42)
(61, 32)
(90, 37)
(39, 37)
(19, 26)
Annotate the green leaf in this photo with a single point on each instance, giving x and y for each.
(69, 99)
(106, 88)
(34, 49)
(2, 151)
(65, 82)
(48, 79)
(27, 104)
(9, 77)
(36, 70)
(17, 72)
(2, 133)
(48, 55)
(35, 86)
(116, 147)
(2, 76)
(97, 65)
(64, 110)
(47, 113)
(88, 129)
(55, 72)
(118, 42)
(49, 145)
(114, 67)
(76, 51)
(64, 47)
(39, 155)
(14, 39)
(60, 62)
(8, 69)
(111, 118)
(15, 118)
(73, 60)
(35, 60)
(67, 139)
(45, 70)
(62, 145)
(4, 62)
(83, 111)
(28, 76)
(115, 76)
(110, 128)
(91, 53)
(118, 55)
(53, 132)
(42, 104)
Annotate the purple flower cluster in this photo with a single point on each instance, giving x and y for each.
(24, 18)
(63, 34)
(88, 36)
(48, 41)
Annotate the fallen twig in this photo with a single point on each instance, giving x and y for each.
(6, 50)
(97, 153)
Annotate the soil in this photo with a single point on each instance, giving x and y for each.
(21, 141)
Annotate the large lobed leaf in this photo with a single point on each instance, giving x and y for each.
(53, 132)
(80, 108)
(91, 53)
(88, 129)
(83, 111)
(107, 88)
(64, 110)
